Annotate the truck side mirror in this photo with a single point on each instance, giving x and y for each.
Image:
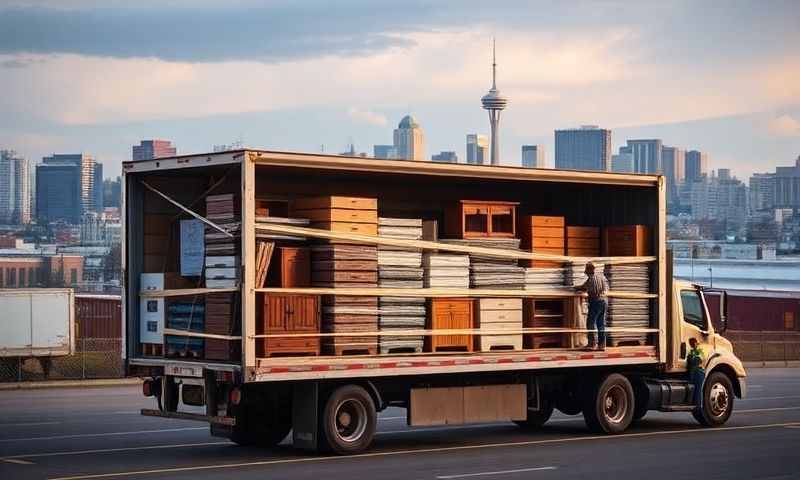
(723, 313)
(683, 349)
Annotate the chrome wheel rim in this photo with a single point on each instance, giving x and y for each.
(718, 399)
(615, 404)
(351, 420)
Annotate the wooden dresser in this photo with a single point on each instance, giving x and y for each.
(475, 218)
(288, 314)
(627, 240)
(541, 234)
(499, 314)
(339, 214)
(450, 313)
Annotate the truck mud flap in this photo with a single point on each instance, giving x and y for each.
(213, 420)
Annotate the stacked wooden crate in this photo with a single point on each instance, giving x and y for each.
(342, 264)
(627, 240)
(545, 313)
(582, 241)
(221, 312)
(499, 314)
(400, 267)
(222, 249)
(542, 234)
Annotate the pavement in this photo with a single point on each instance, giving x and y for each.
(88, 433)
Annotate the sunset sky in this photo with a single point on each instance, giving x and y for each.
(96, 77)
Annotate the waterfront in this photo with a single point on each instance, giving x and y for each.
(741, 274)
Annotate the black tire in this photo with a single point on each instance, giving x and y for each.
(537, 418)
(609, 404)
(641, 400)
(349, 420)
(718, 395)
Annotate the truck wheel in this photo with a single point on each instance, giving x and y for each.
(349, 420)
(609, 405)
(537, 418)
(641, 398)
(717, 401)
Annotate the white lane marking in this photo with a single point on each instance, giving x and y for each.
(391, 418)
(27, 424)
(112, 450)
(776, 409)
(499, 472)
(697, 430)
(107, 434)
(753, 399)
(17, 461)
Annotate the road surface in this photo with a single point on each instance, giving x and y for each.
(98, 433)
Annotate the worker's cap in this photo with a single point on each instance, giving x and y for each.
(590, 266)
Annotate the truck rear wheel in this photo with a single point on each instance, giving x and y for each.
(609, 405)
(717, 401)
(349, 420)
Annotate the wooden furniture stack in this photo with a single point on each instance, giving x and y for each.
(541, 313)
(476, 219)
(542, 234)
(450, 314)
(221, 312)
(627, 240)
(499, 314)
(222, 250)
(288, 314)
(582, 241)
(342, 264)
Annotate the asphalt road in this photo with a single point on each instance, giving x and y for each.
(98, 433)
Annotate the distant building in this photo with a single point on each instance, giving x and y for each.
(622, 162)
(98, 230)
(673, 162)
(585, 148)
(99, 201)
(66, 187)
(387, 152)
(150, 149)
(533, 156)
(112, 193)
(696, 165)
(787, 186)
(36, 270)
(409, 139)
(15, 200)
(762, 192)
(445, 157)
(716, 198)
(646, 155)
(477, 149)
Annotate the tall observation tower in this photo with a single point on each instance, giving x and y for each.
(494, 102)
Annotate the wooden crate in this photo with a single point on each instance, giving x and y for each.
(450, 313)
(350, 346)
(216, 349)
(627, 240)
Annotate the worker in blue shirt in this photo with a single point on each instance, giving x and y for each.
(697, 374)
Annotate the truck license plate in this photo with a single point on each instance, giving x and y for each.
(183, 370)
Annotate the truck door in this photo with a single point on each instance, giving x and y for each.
(694, 324)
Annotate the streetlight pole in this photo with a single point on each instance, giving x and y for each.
(711, 276)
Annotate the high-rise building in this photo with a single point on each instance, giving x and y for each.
(477, 149)
(98, 187)
(112, 192)
(386, 152)
(673, 162)
(15, 206)
(762, 192)
(495, 103)
(696, 165)
(409, 139)
(445, 157)
(66, 188)
(584, 148)
(718, 198)
(622, 162)
(533, 156)
(150, 149)
(646, 155)
(787, 186)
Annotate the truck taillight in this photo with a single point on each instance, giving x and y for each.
(147, 388)
(235, 396)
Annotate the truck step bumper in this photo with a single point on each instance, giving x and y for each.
(215, 420)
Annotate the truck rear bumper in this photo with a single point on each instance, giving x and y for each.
(215, 420)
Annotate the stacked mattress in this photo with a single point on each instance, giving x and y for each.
(400, 267)
(493, 272)
(537, 278)
(444, 270)
(628, 312)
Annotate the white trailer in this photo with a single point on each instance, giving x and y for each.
(37, 322)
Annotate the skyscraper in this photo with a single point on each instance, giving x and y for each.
(696, 165)
(477, 149)
(15, 207)
(646, 155)
(384, 151)
(97, 184)
(787, 186)
(65, 187)
(445, 157)
(622, 162)
(150, 149)
(409, 140)
(584, 148)
(494, 102)
(673, 162)
(533, 156)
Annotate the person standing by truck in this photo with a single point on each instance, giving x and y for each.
(697, 374)
(596, 287)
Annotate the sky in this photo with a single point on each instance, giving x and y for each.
(316, 75)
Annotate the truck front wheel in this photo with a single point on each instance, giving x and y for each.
(717, 401)
(349, 420)
(609, 405)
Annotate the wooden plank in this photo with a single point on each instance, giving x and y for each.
(495, 403)
(426, 292)
(436, 406)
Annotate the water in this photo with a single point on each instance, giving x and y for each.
(740, 274)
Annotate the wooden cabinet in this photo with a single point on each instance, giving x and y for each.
(549, 313)
(627, 240)
(542, 234)
(450, 314)
(289, 314)
(471, 218)
(290, 268)
(499, 314)
(583, 241)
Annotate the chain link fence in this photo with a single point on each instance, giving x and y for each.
(93, 358)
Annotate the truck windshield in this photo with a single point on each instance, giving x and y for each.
(693, 311)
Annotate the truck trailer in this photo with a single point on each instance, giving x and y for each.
(285, 292)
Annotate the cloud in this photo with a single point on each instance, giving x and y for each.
(785, 126)
(367, 116)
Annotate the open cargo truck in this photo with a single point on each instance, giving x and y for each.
(261, 286)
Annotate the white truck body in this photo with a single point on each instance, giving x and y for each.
(37, 322)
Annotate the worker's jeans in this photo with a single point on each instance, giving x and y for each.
(698, 377)
(596, 319)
